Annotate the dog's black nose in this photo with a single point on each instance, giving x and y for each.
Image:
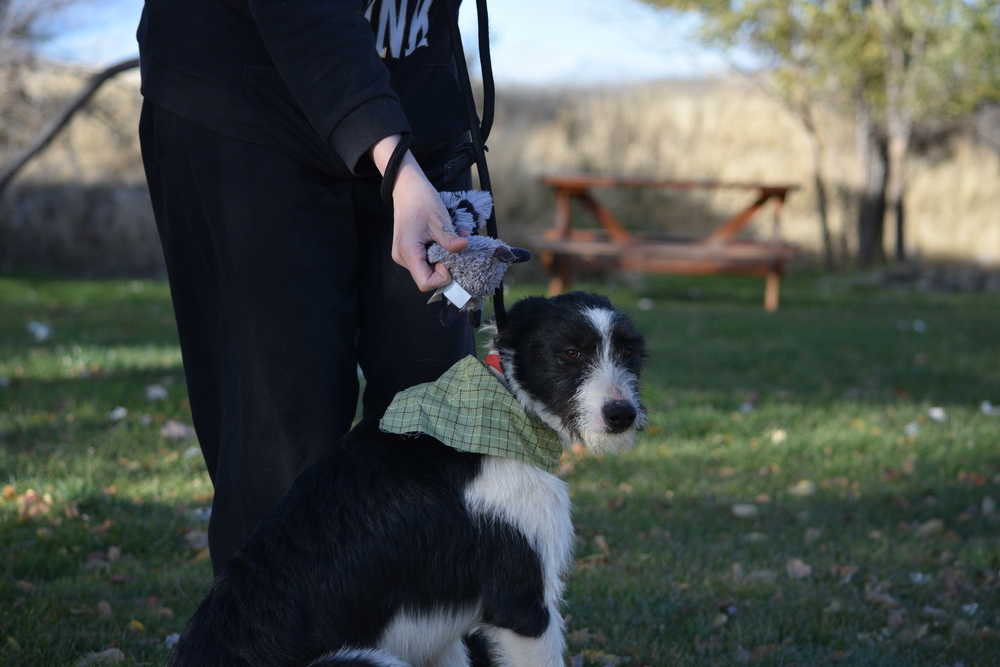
(618, 415)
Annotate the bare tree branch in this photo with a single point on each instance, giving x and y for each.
(10, 168)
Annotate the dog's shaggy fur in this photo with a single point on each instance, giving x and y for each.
(389, 550)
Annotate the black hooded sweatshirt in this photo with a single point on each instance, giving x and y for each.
(321, 80)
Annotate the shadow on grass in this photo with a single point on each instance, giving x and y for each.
(114, 572)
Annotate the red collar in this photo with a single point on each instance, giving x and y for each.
(493, 361)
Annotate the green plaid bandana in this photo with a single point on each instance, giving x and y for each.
(469, 409)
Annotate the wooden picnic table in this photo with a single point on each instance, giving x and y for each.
(612, 246)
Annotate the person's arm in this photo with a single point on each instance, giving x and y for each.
(419, 217)
(325, 54)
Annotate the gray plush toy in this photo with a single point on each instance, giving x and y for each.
(476, 271)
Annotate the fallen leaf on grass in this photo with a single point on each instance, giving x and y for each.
(175, 430)
(930, 528)
(40, 331)
(104, 609)
(592, 560)
(602, 544)
(803, 488)
(761, 576)
(895, 619)
(812, 534)
(843, 572)
(899, 502)
(135, 627)
(109, 657)
(743, 655)
(582, 637)
(798, 569)
(834, 607)
(972, 478)
(103, 529)
(197, 540)
(31, 504)
(933, 613)
(9, 492)
(955, 582)
(891, 474)
(875, 594)
(97, 560)
(117, 579)
(156, 392)
(745, 511)
(598, 658)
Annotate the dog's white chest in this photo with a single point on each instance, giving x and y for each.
(536, 503)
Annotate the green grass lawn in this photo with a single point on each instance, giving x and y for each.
(818, 486)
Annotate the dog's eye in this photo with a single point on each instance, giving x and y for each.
(573, 354)
(627, 352)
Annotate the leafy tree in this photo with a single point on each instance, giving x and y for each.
(894, 63)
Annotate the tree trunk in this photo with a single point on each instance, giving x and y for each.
(872, 191)
(902, 51)
(896, 190)
(898, 128)
(816, 149)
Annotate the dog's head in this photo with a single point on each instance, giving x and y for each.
(574, 361)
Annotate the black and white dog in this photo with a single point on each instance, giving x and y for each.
(389, 550)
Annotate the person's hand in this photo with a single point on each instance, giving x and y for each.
(419, 217)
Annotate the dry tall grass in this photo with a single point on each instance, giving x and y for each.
(81, 205)
(732, 131)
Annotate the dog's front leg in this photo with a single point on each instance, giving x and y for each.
(543, 651)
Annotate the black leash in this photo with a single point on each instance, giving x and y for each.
(392, 167)
(479, 130)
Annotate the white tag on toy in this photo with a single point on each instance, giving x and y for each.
(456, 294)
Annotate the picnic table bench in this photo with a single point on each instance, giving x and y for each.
(612, 246)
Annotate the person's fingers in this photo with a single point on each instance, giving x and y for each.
(426, 276)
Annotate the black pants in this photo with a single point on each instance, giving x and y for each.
(282, 284)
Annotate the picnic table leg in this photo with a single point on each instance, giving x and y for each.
(561, 276)
(772, 290)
